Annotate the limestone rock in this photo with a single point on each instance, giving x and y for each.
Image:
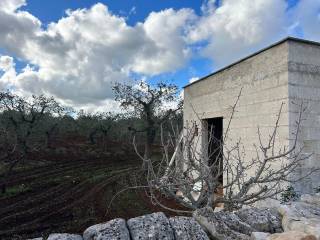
(222, 225)
(155, 226)
(291, 235)
(261, 220)
(311, 199)
(187, 228)
(218, 209)
(64, 236)
(301, 216)
(112, 230)
(267, 203)
(234, 222)
(259, 235)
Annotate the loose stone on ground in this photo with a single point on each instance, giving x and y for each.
(187, 228)
(64, 236)
(155, 226)
(112, 230)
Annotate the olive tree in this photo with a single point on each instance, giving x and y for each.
(20, 127)
(96, 124)
(149, 103)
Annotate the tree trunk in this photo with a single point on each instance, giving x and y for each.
(147, 155)
(49, 135)
(150, 136)
(104, 140)
(48, 140)
(92, 136)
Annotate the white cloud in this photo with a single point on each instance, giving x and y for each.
(133, 11)
(208, 6)
(79, 57)
(238, 27)
(168, 32)
(6, 63)
(307, 16)
(7, 67)
(17, 28)
(11, 5)
(193, 79)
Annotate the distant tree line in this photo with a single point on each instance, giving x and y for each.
(29, 125)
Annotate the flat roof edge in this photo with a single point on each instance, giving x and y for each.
(254, 54)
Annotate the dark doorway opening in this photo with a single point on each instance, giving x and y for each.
(215, 146)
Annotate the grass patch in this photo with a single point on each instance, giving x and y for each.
(98, 177)
(18, 168)
(127, 203)
(103, 173)
(13, 191)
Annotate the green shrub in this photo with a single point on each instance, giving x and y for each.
(15, 190)
(289, 195)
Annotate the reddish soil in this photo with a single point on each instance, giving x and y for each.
(71, 190)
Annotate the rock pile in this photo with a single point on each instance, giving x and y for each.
(153, 226)
(114, 229)
(238, 225)
(300, 220)
(303, 216)
(295, 221)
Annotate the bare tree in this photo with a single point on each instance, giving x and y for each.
(147, 102)
(50, 131)
(97, 124)
(20, 118)
(187, 176)
(106, 122)
(51, 123)
(9, 156)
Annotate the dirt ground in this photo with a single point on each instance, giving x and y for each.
(68, 188)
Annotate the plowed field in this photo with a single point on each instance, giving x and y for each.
(71, 190)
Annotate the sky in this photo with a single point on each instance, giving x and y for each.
(76, 50)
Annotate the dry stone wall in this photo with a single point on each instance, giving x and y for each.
(298, 220)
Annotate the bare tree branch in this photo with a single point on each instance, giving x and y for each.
(187, 177)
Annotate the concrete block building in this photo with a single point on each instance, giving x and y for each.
(286, 72)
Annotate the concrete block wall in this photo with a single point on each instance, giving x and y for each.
(264, 82)
(304, 86)
(288, 73)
